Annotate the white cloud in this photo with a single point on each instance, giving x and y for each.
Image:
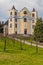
(5, 5)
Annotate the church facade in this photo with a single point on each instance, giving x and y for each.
(22, 22)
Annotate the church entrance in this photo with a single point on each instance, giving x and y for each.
(25, 31)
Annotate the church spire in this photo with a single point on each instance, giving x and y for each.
(13, 7)
(33, 10)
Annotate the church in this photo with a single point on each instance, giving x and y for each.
(21, 23)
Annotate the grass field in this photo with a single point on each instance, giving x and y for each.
(15, 56)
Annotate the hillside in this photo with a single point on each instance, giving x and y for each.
(15, 56)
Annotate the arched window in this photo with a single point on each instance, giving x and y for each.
(33, 15)
(15, 25)
(15, 13)
(10, 25)
(25, 19)
(10, 13)
(15, 19)
(25, 12)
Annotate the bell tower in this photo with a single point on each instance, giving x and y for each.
(11, 23)
(34, 18)
(34, 15)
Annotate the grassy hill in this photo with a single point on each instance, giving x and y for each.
(15, 56)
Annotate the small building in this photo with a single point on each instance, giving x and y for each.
(5, 28)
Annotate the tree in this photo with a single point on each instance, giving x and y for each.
(1, 28)
(5, 44)
(38, 31)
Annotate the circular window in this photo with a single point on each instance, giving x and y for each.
(25, 12)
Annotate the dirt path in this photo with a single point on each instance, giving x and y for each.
(28, 43)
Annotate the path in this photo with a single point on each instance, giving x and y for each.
(28, 43)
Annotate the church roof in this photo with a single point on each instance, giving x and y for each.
(6, 23)
(33, 10)
(13, 7)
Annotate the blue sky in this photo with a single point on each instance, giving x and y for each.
(5, 5)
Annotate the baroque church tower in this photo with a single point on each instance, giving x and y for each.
(34, 19)
(12, 21)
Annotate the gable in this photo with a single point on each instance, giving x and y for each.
(21, 13)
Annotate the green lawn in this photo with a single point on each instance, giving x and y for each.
(15, 56)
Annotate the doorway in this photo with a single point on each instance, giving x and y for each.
(25, 31)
